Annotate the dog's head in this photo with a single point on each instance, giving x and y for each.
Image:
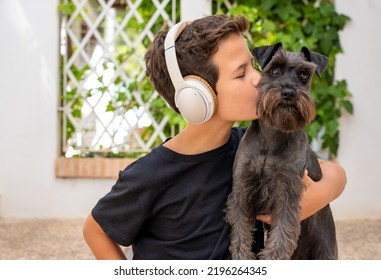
(284, 99)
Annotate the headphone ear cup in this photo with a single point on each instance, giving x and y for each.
(196, 100)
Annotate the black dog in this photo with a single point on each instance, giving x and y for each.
(271, 160)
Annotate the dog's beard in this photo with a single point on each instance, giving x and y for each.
(285, 116)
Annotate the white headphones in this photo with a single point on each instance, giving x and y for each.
(194, 97)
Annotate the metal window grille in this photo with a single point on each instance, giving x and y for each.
(107, 100)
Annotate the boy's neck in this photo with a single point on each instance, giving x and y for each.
(201, 138)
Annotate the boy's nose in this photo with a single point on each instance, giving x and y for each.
(257, 76)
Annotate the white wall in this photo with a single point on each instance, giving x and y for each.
(29, 79)
(194, 9)
(360, 144)
(29, 125)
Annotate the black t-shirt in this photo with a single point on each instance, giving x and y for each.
(171, 206)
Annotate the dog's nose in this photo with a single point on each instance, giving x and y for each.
(288, 93)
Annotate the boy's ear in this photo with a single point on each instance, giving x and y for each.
(264, 54)
(320, 60)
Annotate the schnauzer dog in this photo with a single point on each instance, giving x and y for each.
(271, 160)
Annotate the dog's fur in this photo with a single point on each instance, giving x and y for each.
(271, 161)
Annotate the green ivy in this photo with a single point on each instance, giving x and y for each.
(316, 25)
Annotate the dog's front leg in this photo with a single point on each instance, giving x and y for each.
(285, 227)
(239, 218)
(242, 230)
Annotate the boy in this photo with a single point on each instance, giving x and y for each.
(170, 203)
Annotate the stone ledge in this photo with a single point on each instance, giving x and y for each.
(102, 168)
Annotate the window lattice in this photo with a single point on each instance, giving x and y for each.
(108, 103)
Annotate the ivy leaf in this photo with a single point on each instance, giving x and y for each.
(332, 127)
(121, 97)
(76, 113)
(267, 5)
(66, 9)
(269, 25)
(326, 9)
(340, 20)
(110, 107)
(133, 86)
(102, 89)
(347, 105)
(313, 130)
(327, 40)
(70, 94)
(287, 12)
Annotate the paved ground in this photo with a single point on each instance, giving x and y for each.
(62, 239)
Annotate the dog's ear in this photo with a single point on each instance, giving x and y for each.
(265, 53)
(320, 60)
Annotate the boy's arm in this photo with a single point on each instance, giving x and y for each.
(318, 194)
(100, 244)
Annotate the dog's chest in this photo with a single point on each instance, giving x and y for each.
(268, 150)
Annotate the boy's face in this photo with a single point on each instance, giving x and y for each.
(236, 86)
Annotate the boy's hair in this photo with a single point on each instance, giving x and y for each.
(195, 48)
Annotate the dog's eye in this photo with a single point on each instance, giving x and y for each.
(275, 71)
(304, 76)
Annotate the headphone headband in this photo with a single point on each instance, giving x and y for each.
(170, 53)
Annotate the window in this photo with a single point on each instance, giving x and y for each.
(108, 105)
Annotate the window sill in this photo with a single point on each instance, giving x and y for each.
(93, 168)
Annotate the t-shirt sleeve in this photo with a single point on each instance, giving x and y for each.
(122, 212)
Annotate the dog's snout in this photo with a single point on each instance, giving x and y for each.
(288, 93)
